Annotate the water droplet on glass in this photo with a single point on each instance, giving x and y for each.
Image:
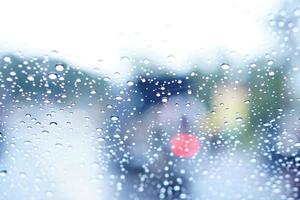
(12, 73)
(246, 101)
(239, 119)
(267, 124)
(225, 66)
(53, 124)
(59, 67)
(119, 98)
(164, 99)
(125, 59)
(109, 106)
(7, 59)
(297, 144)
(52, 76)
(270, 62)
(114, 118)
(171, 58)
(27, 142)
(9, 79)
(271, 73)
(297, 13)
(130, 83)
(58, 145)
(3, 173)
(146, 61)
(30, 78)
(22, 174)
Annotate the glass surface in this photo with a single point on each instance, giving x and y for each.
(146, 100)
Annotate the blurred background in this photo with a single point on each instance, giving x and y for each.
(150, 100)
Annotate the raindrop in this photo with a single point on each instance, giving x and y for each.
(119, 98)
(130, 83)
(146, 61)
(246, 101)
(297, 13)
(7, 59)
(271, 73)
(3, 173)
(270, 62)
(114, 118)
(267, 124)
(176, 188)
(193, 74)
(52, 76)
(27, 142)
(53, 124)
(109, 106)
(239, 119)
(125, 59)
(12, 73)
(9, 79)
(59, 67)
(164, 99)
(30, 78)
(297, 144)
(22, 174)
(58, 145)
(225, 66)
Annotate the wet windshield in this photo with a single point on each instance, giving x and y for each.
(144, 101)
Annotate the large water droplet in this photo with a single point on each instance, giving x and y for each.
(114, 118)
(3, 173)
(119, 98)
(125, 59)
(53, 124)
(146, 61)
(130, 83)
(59, 67)
(271, 73)
(7, 59)
(52, 76)
(30, 78)
(164, 99)
(225, 66)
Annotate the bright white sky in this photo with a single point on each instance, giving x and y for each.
(85, 31)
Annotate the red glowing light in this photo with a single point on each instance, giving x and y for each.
(185, 145)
